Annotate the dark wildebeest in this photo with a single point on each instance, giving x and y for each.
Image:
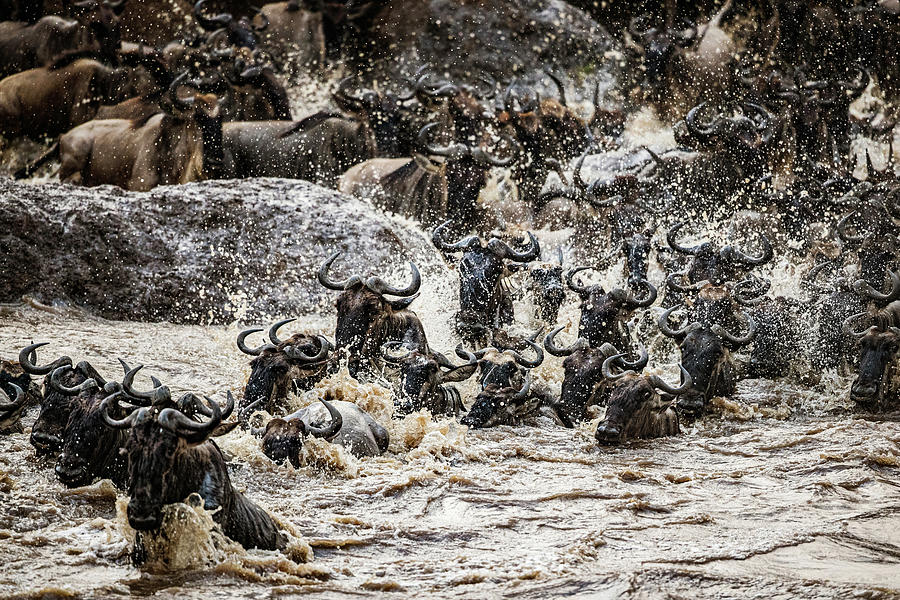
(603, 313)
(282, 366)
(48, 101)
(258, 95)
(238, 32)
(635, 408)
(706, 355)
(423, 379)
(12, 373)
(47, 431)
(876, 383)
(547, 289)
(163, 150)
(95, 27)
(349, 426)
(295, 33)
(582, 375)
(484, 303)
(367, 319)
(715, 265)
(495, 405)
(11, 408)
(170, 456)
(425, 190)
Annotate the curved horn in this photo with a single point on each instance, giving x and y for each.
(552, 348)
(113, 400)
(324, 348)
(639, 364)
(841, 228)
(454, 150)
(16, 404)
(273, 330)
(331, 284)
(192, 431)
(210, 23)
(606, 368)
(737, 341)
(28, 355)
(128, 381)
(387, 351)
(381, 287)
(743, 298)
(752, 260)
(502, 250)
(560, 88)
(178, 102)
(333, 428)
(670, 237)
(666, 329)
(861, 286)
(464, 244)
(526, 388)
(645, 302)
(243, 347)
(529, 364)
(686, 383)
(847, 325)
(691, 287)
(57, 386)
(581, 290)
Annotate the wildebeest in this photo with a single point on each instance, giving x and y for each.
(281, 366)
(47, 431)
(547, 288)
(711, 264)
(258, 95)
(318, 148)
(349, 426)
(367, 319)
(139, 155)
(242, 33)
(876, 382)
(295, 33)
(428, 191)
(484, 303)
(95, 27)
(705, 354)
(11, 408)
(48, 101)
(170, 456)
(496, 405)
(424, 377)
(636, 409)
(603, 313)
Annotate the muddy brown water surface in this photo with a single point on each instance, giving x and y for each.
(782, 492)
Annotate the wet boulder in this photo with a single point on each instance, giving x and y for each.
(208, 252)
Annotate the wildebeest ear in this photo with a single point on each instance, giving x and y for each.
(460, 373)
(402, 303)
(224, 428)
(426, 163)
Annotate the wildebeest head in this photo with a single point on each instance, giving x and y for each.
(242, 33)
(743, 135)
(296, 363)
(583, 374)
(717, 265)
(661, 47)
(496, 405)
(102, 18)
(877, 356)
(206, 111)
(367, 318)
(12, 404)
(635, 408)
(283, 439)
(636, 248)
(12, 374)
(547, 288)
(423, 375)
(705, 354)
(262, 95)
(481, 272)
(47, 431)
(504, 367)
(158, 437)
(602, 312)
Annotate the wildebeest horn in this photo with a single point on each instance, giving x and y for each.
(210, 23)
(273, 330)
(502, 250)
(529, 364)
(15, 404)
(113, 400)
(861, 286)
(699, 130)
(686, 382)
(841, 228)
(743, 298)
(666, 329)
(560, 88)
(177, 101)
(189, 429)
(691, 287)
(752, 260)
(117, 7)
(57, 386)
(28, 355)
(635, 31)
(643, 303)
(324, 348)
(461, 372)
(388, 348)
(526, 388)
(486, 158)
(381, 287)
(129, 380)
(243, 347)
(552, 348)
(670, 237)
(847, 326)
(579, 289)
(641, 361)
(455, 150)
(440, 89)
(333, 428)
(606, 368)
(737, 341)
(331, 284)
(464, 244)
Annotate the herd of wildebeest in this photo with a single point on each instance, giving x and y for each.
(760, 97)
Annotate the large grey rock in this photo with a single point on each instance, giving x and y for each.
(200, 253)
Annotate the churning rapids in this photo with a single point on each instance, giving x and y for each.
(785, 489)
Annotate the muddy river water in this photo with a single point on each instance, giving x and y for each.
(781, 492)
